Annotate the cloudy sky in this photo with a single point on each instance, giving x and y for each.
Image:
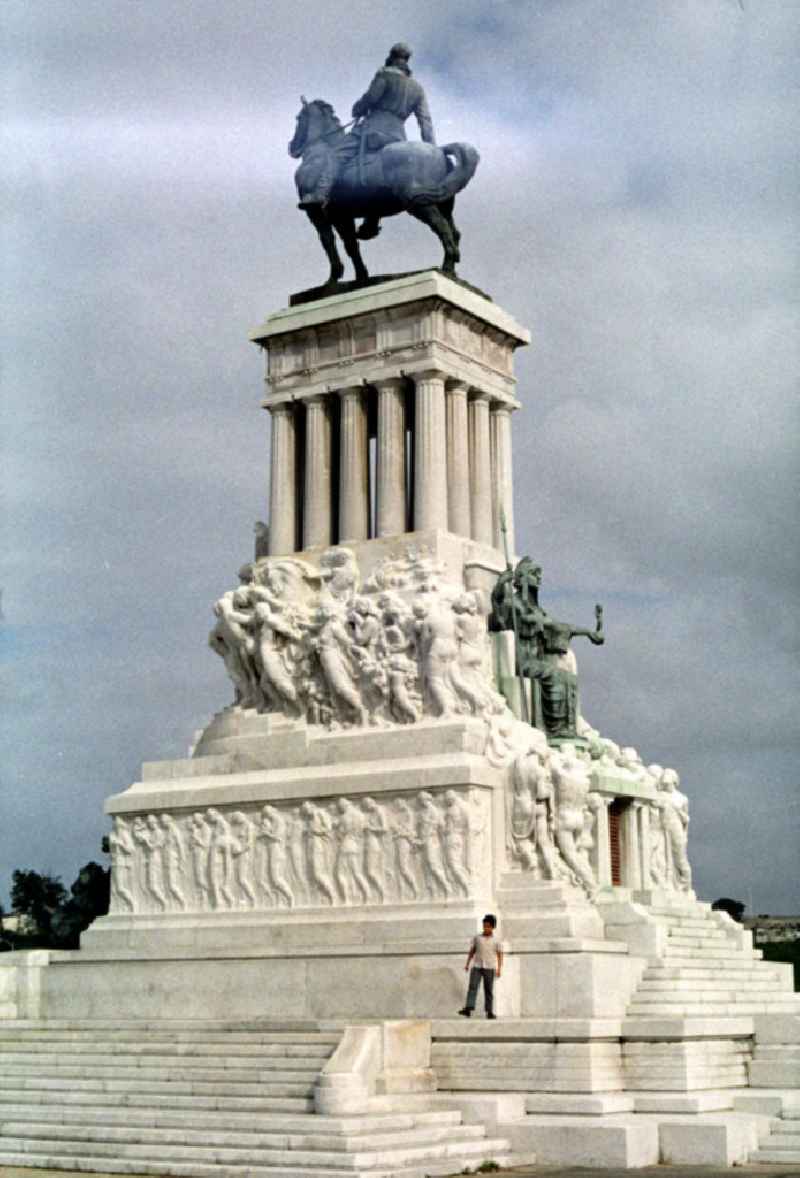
(635, 206)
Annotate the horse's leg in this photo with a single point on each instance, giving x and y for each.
(447, 209)
(319, 219)
(345, 226)
(434, 218)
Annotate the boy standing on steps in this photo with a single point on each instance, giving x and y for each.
(488, 955)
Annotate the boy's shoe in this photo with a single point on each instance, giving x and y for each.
(467, 1011)
(491, 1016)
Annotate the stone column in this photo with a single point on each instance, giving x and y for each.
(430, 453)
(317, 506)
(391, 457)
(502, 480)
(354, 467)
(633, 869)
(480, 469)
(282, 476)
(458, 480)
(644, 846)
(602, 841)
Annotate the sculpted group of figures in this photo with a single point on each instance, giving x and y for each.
(553, 807)
(348, 851)
(317, 644)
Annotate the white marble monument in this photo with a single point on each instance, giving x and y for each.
(371, 790)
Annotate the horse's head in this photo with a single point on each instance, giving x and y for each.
(316, 120)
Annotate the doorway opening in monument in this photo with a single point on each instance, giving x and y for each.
(615, 813)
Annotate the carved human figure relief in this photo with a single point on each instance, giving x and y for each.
(455, 837)
(572, 786)
(438, 647)
(376, 860)
(405, 842)
(150, 837)
(350, 852)
(220, 860)
(174, 859)
(200, 841)
(123, 856)
(277, 653)
(318, 832)
(339, 573)
(333, 647)
(675, 820)
(296, 854)
(405, 702)
(232, 639)
(469, 673)
(363, 621)
(274, 831)
(242, 845)
(430, 821)
(478, 821)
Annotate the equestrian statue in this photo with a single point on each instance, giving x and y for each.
(374, 171)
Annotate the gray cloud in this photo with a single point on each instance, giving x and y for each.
(635, 205)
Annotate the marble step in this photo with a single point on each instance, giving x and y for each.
(706, 1009)
(271, 1030)
(250, 1156)
(297, 1124)
(430, 1169)
(747, 969)
(767, 1155)
(656, 991)
(140, 1034)
(275, 1065)
(367, 1139)
(167, 1099)
(191, 1087)
(282, 1083)
(185, 1051)
(709, 953)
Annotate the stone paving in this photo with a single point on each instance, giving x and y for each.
(520, 1172)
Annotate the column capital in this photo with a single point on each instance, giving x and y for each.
(500, 407)
(281, 407)
(480, 396)
(457, 388)
(350, 390)
(316, 399)
(429, 374)
(389, 382)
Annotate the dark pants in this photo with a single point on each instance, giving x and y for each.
(475, 975)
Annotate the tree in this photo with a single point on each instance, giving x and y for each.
(734, 908)
(38, 897)
(89, 899)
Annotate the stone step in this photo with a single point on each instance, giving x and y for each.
(303, 1124)
(239, 1051)
(143, 1036)
(656, 991)
(705, 1009)
(284, 1083)
(705, 952)
(366, 1138)
(182, 1153)
(191, 1087)
(205, 1170)
(276, 1063)
(767, 1155)
(700, 972)
(167, 1099)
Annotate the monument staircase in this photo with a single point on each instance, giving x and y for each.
(782, 1146)
(209, 1099)
(709, 968)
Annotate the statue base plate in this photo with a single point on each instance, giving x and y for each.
(335, 288)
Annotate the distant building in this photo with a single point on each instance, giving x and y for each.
(773, 929)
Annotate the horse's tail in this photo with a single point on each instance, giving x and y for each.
(462, 159)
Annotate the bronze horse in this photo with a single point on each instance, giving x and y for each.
(417, 178)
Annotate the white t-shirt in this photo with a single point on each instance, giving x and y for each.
(486, 950)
